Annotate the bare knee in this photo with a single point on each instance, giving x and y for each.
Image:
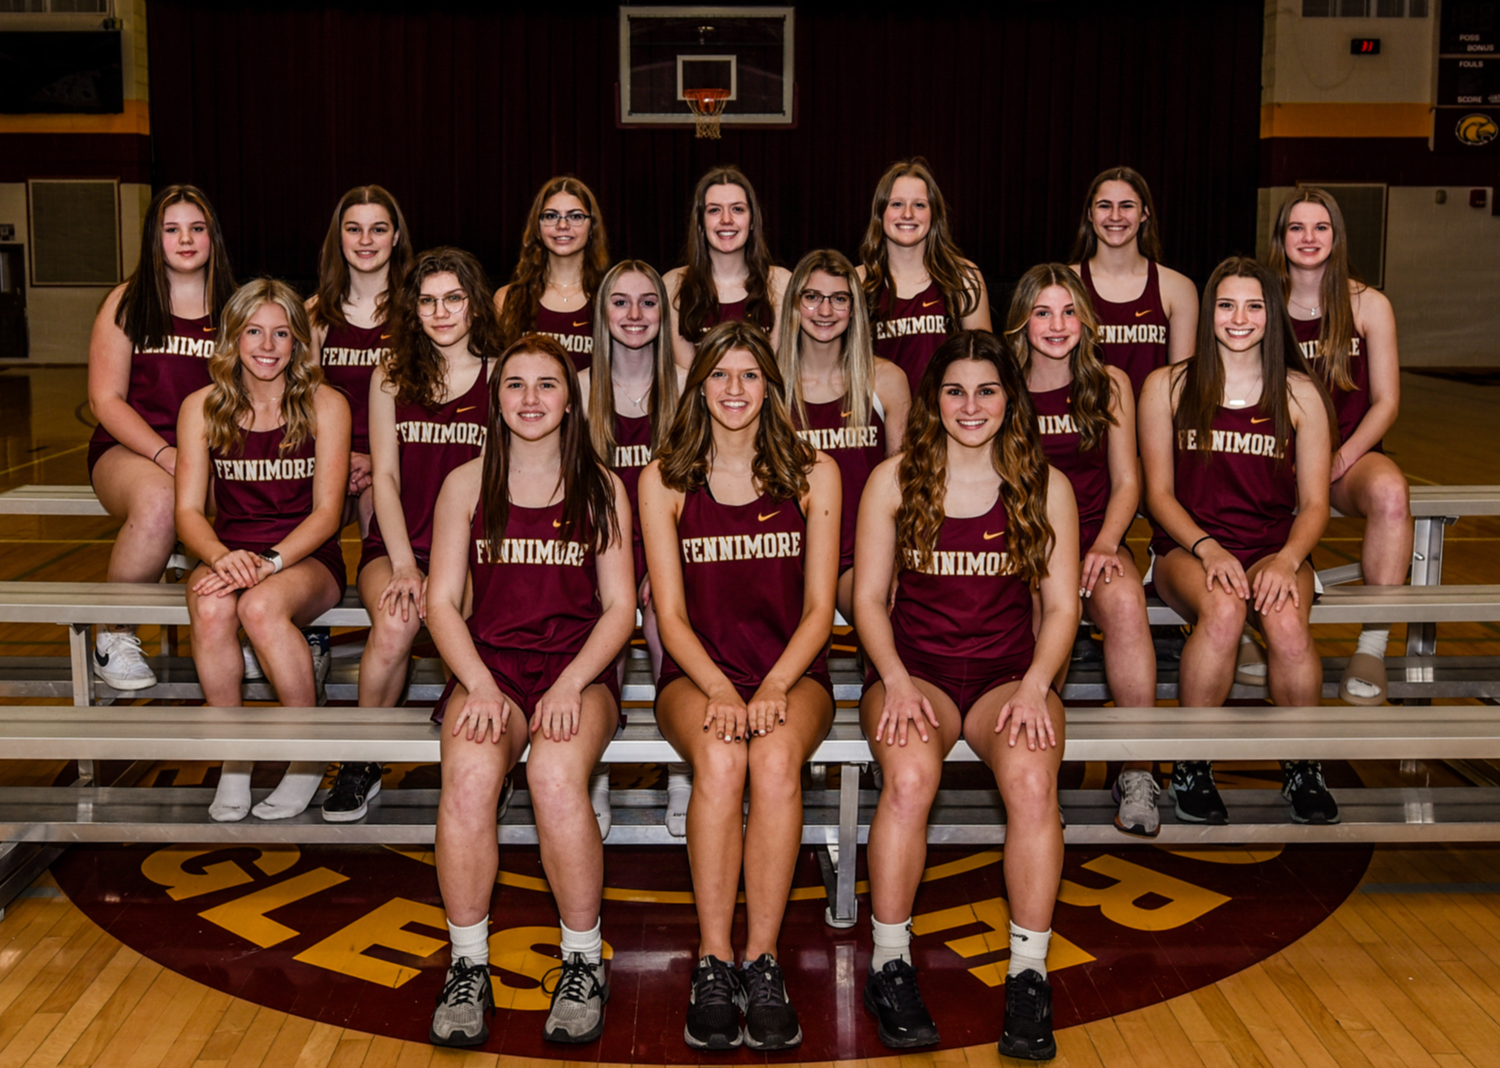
(471, 789)
(909, 787)
(261, 613)
(1029, 791)
(1220, 621)
(391, 637)
(1389, 500)
(719, 772)
(1286, 634)
(774, 771)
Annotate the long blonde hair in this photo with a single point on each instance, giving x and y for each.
(662, 398)
(1336, 332)
(228, 401)
(856, 360)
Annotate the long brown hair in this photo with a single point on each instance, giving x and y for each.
(1201, 378)
(942, 257)
(1092, 389)
(661, 402)
(414, 367)
(1336, 332)
(1016, 453)
(529, 280)
(1147, 239)
(782, 459)
(333, 269)
(145, 309)
(856, 358)
(698, 297)
(588, 489)
(228, 400)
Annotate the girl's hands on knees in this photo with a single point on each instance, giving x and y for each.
(1102, 562)
(1220, 565)
(360, 473)
(559, 712)
(767, 709)
(406, 593)
(1027, 711)
(238, 569)
(905, 706)
(484, 714)
(726, 716)
(1276, 584)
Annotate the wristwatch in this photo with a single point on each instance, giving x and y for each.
(274, 557)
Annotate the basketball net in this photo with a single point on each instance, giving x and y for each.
(706, 105)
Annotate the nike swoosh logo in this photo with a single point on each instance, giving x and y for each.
(557, 524)
(1141, 313)
(1254, 420)
(991, 537)
(584, 323)
(846, 415)
(763, 518)
(385, 337)
(210, 329)
(930, 303)
(470, 408)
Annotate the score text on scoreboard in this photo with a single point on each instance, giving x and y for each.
(1364, 46)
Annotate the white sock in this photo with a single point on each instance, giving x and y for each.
(599, 798)
(1373, 640)
(232, 798)
(1028, 949)
(590, 943)
(295, 791)
(679, 793)
(472, 942)
(892, 942)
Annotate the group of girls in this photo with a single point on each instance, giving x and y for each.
(739, 450)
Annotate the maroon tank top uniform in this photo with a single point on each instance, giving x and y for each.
(857, 451)
(1242, 499)
(632, 454)
(743, 575)
(263, 493)
(964, 622)
(1349, 405)
(161, 378)
(574, 331)
(350, 355)
(431, 444)
(1132, 335)
(528, 641)
(908, 331)
(1087, 471)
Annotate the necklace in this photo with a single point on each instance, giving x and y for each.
(1311, 309)
(561, 290)
(636, 402)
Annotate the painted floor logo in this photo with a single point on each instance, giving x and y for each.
(355, 936)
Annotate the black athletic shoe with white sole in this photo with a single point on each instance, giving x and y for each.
(1304, 789)
(902, 1021)
(355, 786)
(713, 1016)
(770, 1021)
(1028, 1018)
(1196, 796)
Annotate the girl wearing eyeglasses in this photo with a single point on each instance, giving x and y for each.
(429, 406)
(564, 254)
(844, 400)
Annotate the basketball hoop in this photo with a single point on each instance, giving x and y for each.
(706, 105)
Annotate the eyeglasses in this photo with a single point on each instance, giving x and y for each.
(811, 298)
(550, 218)
(454, 302)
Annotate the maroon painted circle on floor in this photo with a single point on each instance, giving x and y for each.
(354, 936)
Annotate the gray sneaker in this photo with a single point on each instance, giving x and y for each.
(1136, 793)
(577, 1014)
(466, 1000)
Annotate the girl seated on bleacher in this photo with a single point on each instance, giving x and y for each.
(542, 529)
(1236, 444)
(272, 440)
(972, 524)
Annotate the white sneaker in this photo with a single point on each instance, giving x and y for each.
(119, 662)
(679, 793)
(252, 664)
(599, 798)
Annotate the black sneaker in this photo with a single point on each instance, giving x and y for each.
(901, 1019)
(356, 784)
(1197, 797)
(1028, 1018)
(1303, 786)
(713, 1016)
(1085, 649)
(770, 1021)
(462, 1006)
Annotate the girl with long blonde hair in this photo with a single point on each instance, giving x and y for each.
(271, 438)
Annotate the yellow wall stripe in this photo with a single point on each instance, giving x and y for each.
(135, 119)
(1345, 120)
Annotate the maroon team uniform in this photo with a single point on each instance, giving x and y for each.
(964, 623)
(632, 454)
(1349, 405)
(1245, 498)
(263, 492)
(527, 642)
(1132, 335)
(743, 574)
(574, 331)
(1087, 471)
(161, 378)
(907, 332)
(349, 357)
(431, 444)
(856, 449)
